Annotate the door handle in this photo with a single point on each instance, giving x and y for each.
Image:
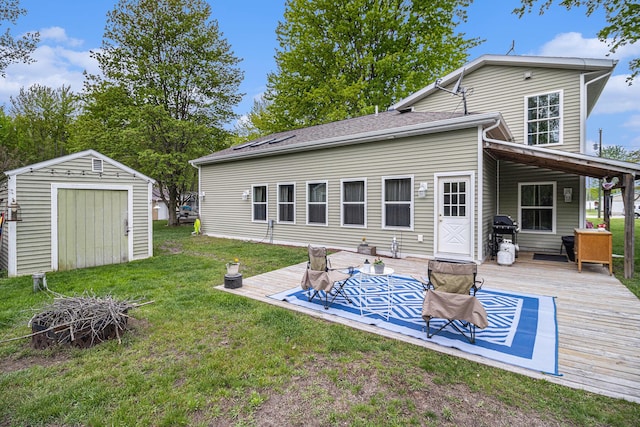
(126, 227)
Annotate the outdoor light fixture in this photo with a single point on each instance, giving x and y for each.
(14, 213)
(422, 190)
(245, 194)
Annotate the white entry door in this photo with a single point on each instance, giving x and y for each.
(455, 212)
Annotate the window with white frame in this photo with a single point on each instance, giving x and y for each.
(354, 202)
(317, 203)
(286, 202)
(398, 202)
(544, 118)
(259, 203)
(537, 206)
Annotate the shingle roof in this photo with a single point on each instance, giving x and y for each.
(387, 120)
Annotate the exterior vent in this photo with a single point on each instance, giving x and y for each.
(96, 165)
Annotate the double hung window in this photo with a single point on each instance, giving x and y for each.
(286, 203)
(354, 203)
(317, 203)
(537, 206)
(259, 203)
(544, 118)
(397, 202)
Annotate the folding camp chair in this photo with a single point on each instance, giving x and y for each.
(320, 279)
(450, 295)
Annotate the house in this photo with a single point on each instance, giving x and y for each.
(160, 208)
(503, 135)
(76, 211)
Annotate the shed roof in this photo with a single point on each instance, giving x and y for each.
(58, 160)
(380, 126)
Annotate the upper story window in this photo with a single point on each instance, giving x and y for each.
(537, 207)
(353, 209)
(317, 203)
(286, 203)
(544, 118)
(397, 202)
(259, 203)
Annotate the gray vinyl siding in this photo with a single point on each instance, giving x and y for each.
(503, 89)
(33, 191)
(489, 201)
(224, 213)
(567, 214)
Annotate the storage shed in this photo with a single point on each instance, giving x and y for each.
(76, 211)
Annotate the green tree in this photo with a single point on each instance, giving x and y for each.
(42, 119)
(9, 154)
(170, 83)
(342, 59)
(615, 152)
(622, 16)
(14, 49)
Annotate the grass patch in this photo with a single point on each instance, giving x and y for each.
(200, 356)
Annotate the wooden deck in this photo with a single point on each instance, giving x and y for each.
(598, 317)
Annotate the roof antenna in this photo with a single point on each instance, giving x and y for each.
(512, 48)
(457, 90)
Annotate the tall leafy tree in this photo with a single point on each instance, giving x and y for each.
(9, 153)
(170, 81)
(14, 49)
(342, 59)
(42, 118)
(622, 16)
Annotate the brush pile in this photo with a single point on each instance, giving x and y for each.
(80, 321)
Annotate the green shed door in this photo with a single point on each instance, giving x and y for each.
(92, 228)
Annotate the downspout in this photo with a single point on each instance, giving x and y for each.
(582, 216)
(486, 138)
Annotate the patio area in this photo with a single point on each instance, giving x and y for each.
(598, 317)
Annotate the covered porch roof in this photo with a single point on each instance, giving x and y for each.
(578, 164)
(582, 165)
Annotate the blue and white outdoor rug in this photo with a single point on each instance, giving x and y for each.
(522, 328)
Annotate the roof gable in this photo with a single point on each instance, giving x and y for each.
(601, 67)
(87, 153)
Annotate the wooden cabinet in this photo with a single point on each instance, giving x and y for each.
(595, 246)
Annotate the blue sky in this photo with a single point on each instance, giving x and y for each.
(69, 29)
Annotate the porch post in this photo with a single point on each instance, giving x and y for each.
(607, 208)
(628, 193)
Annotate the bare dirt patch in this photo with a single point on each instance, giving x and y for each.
(323, 396)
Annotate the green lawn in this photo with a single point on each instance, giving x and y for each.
(199, 356)
(617, 229)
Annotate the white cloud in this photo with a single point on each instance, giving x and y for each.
(618, 97)
(59, 35)
(575, 45)
(58, 62)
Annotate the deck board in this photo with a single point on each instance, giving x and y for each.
(598, 317)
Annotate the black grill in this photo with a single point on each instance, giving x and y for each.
(502, 225)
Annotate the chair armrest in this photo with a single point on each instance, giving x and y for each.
(426, 284)
(477, 287)
(347, 270)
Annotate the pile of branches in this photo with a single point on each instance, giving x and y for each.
(80, 321)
